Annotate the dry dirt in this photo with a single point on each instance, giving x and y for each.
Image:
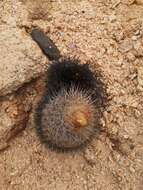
(105, 32)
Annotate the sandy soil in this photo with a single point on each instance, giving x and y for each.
(104, 32)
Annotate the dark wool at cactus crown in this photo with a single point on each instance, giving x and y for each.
(69, 112)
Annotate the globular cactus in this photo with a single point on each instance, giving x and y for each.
(68, 119)
(70, 110)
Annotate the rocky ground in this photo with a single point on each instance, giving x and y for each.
(108, 33)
